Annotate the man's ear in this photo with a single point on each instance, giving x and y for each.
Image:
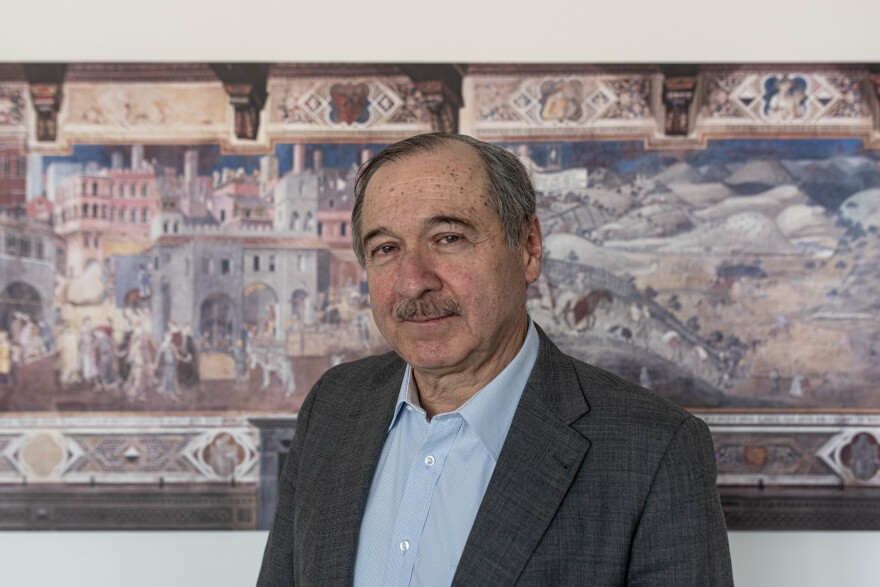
(533, 250)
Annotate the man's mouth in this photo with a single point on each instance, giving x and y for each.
(423, 319)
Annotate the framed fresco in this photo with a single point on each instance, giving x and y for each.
(176, 270)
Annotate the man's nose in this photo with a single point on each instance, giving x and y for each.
(416, 275)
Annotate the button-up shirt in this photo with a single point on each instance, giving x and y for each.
(431, 478)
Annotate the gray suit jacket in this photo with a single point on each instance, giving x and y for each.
(600, 482)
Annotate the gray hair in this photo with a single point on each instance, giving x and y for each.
(510, 187)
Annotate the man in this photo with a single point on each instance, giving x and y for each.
(477, 453)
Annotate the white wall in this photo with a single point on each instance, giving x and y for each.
(414, 30)
(232, 559)
(449, 30)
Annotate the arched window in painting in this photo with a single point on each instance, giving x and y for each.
(19, 298)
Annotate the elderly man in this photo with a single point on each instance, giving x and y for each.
(478, 453)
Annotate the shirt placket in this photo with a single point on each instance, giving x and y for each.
(416, 502)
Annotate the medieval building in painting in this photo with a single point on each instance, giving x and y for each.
(270, 254)
(13, 173)
(105, 211)
(30, 255)
(234, 283)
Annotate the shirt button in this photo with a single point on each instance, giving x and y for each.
(429, 460)
(404, 545)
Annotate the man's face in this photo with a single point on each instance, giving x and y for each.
(447, 291)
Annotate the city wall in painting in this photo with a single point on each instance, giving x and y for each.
(176, 270)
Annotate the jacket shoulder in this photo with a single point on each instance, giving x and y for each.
(612, 395)
(341, 381)
(608, 397)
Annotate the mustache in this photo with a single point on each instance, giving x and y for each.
(407, 309)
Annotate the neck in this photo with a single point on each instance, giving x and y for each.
(441, 392)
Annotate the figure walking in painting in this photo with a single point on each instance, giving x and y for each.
(188, 365)
(35, 348)
(140, 359)
(86, 352)
(25, 336)
(144, 287)
(47, 338)
(641, 317)
(673, 345)
(68, 357)
(15, 327)
(123, 366)
(176, 335)
(166, 367)
(239, 356)
(106, 351)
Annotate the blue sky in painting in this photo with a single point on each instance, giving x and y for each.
(632, 157)
(335, 155)
(210, 157)
(621, 156)
(626, 158)
(741, 150)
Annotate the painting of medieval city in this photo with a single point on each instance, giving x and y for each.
(177, 278)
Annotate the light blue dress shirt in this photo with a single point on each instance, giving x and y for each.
(431, 479)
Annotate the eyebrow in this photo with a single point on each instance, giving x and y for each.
(376, 232)
(447, 219)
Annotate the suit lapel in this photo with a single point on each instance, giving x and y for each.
(343, 481)
(538, 462)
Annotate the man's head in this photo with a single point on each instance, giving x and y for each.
(446, 230)
(510, 188)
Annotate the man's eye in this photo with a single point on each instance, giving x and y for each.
(448, 239)
(384, 250)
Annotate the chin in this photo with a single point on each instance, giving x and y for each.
(425, 357)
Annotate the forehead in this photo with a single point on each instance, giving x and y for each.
(453, 165)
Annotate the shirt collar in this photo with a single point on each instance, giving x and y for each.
(490, 411)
